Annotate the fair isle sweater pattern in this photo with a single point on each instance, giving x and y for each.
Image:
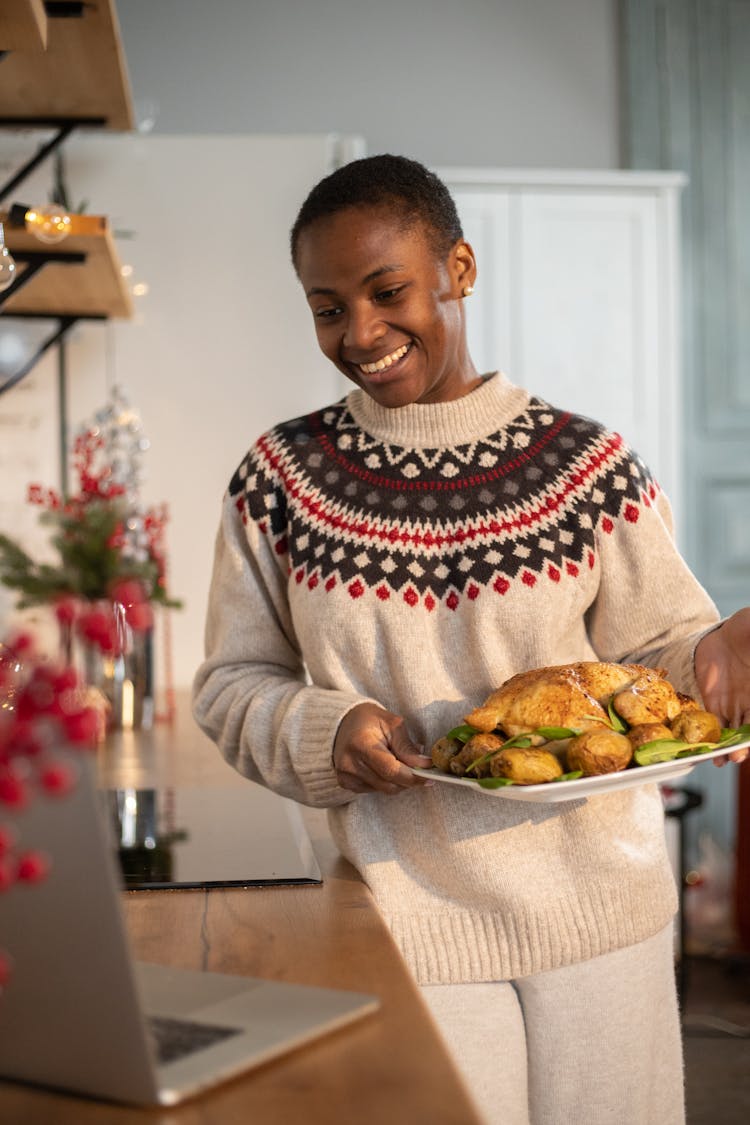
(431, 525)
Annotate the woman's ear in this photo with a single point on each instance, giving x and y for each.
(464, 268)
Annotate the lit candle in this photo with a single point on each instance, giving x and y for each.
(128, 704)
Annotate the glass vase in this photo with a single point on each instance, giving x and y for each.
(125, 680)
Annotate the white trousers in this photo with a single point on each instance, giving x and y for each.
(596, 1043)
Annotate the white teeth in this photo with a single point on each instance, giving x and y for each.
(386, 361)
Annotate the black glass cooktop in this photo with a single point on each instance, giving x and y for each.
(202, 837)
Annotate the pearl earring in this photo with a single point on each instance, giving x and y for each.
(468, 290)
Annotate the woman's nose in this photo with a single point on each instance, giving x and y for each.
(363, 329)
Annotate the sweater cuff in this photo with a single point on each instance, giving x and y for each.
(313, 761)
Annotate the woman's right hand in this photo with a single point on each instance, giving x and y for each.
(372, 750)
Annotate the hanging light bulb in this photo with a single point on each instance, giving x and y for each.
(7, 264)
(50, 223)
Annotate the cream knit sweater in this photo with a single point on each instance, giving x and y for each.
(418, 557)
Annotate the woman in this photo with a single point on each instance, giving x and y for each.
(381, 566)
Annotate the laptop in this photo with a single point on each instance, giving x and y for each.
(79, 1014)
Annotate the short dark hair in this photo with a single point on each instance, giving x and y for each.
(406, 186)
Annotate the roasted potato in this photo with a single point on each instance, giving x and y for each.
(443, 751)
(474, 748)
(696, 726)
(599, 751)
(526, 766)
(647, 732)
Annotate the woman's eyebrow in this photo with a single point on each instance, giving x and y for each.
(321, 290)
(380, 270)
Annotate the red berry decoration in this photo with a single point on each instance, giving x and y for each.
(94, 624)
(24, 741)
(139, 616)
(23, 644)
(129, 591)
(13, 791)
(33, 867)
(82, 727)
(65, 611)
(57, 779)
(65, 680)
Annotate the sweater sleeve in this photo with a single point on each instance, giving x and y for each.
(650, 608)
(250, 694)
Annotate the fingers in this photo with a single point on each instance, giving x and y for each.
(373, 753)
(731, 711)
(405, 750)
(380, 771)
(722, 669)
(737, 756)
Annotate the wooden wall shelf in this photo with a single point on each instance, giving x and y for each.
(23, 25)
(81, 75)
(93, 288)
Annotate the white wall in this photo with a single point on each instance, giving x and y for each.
(500, 83)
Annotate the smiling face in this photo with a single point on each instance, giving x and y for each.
(388, 309)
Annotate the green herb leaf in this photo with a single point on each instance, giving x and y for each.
(697, 748)
(596, 718)
(553, 733)
(661, 750)
(494, 782)
(462, 733)
(521, 740)
(735, 734)
(572, 776)
(614, 718)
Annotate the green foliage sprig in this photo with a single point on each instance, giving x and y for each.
(89, 532)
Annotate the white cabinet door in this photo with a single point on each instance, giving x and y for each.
(576, 298)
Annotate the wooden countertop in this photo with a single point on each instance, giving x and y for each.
(390, 1067)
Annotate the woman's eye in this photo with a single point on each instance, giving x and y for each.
(387, 294)
(326, 313)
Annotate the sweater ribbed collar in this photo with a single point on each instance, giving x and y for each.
(489, 407)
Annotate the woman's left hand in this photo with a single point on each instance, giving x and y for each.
(722, 669)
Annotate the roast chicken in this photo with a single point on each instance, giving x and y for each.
(587, 718)
(577, 695)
